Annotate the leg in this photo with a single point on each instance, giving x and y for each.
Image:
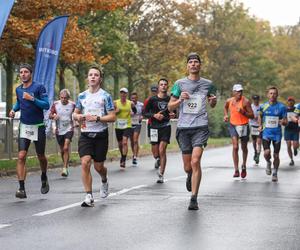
(101, 170)
(135, 144)
(66, 152)
(196, 169)
(289, 149)
(244, 145)
(86, 173)
(235, 152)
(163, 156)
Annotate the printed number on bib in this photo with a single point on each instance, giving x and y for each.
(290, 116)
(242, 130)
(272, 121)
(254, 131)
(135, 120)
(153, 135)
(192, 105)
(29, 132)
(121, 123)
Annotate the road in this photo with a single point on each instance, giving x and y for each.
(139, 214)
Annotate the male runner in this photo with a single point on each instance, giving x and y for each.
(190, 95)
(61, 112)
(94, 109)
(136, 120)
(240, 111)
(32, 100)
(272, 116)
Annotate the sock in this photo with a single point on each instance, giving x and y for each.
(90, 192)
(194, 197)
(275, 171)
(104, 180)
(22, 184)
(123, 158)
(44, 176)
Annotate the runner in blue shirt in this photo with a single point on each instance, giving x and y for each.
(272, 115)
(32, 100)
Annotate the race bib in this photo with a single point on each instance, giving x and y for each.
(29, 132)
(135, 120)
(64, 125)
(192, 105)
(254, 131)
(290, 116)
(242, 130)
(153, 135)
(121, 123)
(272, 121)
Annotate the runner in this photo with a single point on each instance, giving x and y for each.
(32, 100)
(272, 116)
(154, 148)
(94, 109)
(240, 111)
(61, 112)
(255, 134)
(124, 109)
(160, 129)
(291, 130)
(190, 95)
(136, 120)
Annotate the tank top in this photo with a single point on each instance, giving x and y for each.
(124, 116)
(236, 118)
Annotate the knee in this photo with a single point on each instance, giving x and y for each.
(276, 156)
(65, 149)
(41, 157)
(22, 156)
(195, 162)
(124, 143)
(235, 147)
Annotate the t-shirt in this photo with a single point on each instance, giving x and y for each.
(136, 118)
(271, 114)
(65, 122)
(155, 105)
(193, 112)
(98, 103)
(31, 114)
(255, 109)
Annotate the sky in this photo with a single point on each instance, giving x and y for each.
(278, 12)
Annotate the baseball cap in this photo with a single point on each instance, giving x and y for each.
(26, 66)
(237, 87)
(153, 88)
(124, 90)
(193, 55)
(291, 98)
(255, 97)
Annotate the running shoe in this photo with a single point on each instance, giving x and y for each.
(295, 151)
(160, 178)
(157, 163)
(268, 168)
(45, 187)
(21, 194)
(193, 204)
(134, 162)
(188, 182)
(65, 172)
(236, 174)
(256, 159)
(104, 190)
(244, 172)
(122, 164)
(292, 163)
(88, 201)
(274, 177)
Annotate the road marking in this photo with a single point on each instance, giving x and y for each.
(123, 191)
(4, 225)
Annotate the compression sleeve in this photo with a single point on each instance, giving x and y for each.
(42, 103)
(16, 106)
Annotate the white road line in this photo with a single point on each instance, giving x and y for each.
(4, 225)
(123, 191)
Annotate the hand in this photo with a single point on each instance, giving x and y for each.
(27, 96)
(260, 128)
(225, 118)
(55, 117)
(184, 96)
(159, 116)
(172, 115)
(212, 100)
(11, 114)
(90, 118)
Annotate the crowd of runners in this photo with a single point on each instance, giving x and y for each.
(188, 101)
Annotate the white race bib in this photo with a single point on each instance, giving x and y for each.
(242, 130)
(135, 120)
(272, 121)
(290, 116)
(29, 132)
(121, 123)
(254, 131)
(192, 105)
(64, 125)
(153, 135)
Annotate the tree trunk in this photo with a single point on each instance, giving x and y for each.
(116, 85)
(9, 68)
(130, 80)
(62, 82)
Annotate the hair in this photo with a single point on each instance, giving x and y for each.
(65, 91)
(163, 79)
(98, 69)
(26, 66)
(272, 87)
(134, 93)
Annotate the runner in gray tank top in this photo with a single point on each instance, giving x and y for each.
(190, 95)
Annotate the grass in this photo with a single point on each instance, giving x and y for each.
(54, 160)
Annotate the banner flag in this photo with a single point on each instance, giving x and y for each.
(5, 8)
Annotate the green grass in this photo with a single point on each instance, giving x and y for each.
(54, 160)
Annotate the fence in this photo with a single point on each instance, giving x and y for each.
(9, 129)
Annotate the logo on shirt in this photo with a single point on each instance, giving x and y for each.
(162, 105)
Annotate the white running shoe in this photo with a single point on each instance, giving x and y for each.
(104, 190)
(274, 177)
(268, 168)
(88, 201)
(160, 178)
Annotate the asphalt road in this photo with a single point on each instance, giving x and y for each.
(139, 214)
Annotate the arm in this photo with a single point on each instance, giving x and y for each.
(133, 108)
(211, 96)
(147, 112)
(248, 112)
(225, 110)
(259, 121)
(174, 103)
(53, 115)
(42, 103)
(15, 108)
